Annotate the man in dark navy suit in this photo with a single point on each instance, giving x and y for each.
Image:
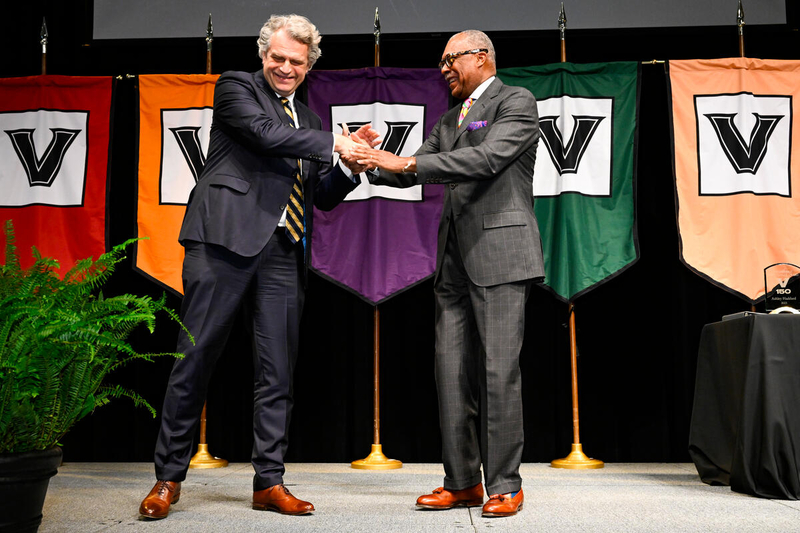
(247, 235)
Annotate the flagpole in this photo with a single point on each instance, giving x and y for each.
(576, 460)
(562, 28)
(203, 458)
(43, 36)
(377, 33)
(376, 460)
(209, 43)
(740, 25)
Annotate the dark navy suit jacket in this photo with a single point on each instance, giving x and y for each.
(251, 164)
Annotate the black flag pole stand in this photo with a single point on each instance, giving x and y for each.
(376, 460)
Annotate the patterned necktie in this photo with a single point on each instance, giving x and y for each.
(295, 220)
(464, 110)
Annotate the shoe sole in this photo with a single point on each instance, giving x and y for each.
(473, 503)
(263, 507)
(503, 514)
(153, 517)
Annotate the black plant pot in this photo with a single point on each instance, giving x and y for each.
(23, 484)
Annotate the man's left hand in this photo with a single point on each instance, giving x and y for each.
(384, 160)
(364, 133)
(365, 136)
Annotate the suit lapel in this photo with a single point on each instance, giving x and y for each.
(280, 112)
(277, 106)
(303, 115)
(477, 109)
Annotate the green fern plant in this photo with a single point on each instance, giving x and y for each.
(59, 338)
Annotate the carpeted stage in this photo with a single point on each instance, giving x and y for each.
(648, 497)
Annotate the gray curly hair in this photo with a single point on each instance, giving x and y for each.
(298, 28)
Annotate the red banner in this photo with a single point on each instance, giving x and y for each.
(54, 144)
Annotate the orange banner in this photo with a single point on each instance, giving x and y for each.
(736, 163)
(174, 126)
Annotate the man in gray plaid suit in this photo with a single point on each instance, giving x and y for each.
(489, 255)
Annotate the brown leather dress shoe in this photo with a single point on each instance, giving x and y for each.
(278, 498)
(503, 504)
(442, 498)
(156, 504)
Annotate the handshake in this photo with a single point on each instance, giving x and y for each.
(357, 152)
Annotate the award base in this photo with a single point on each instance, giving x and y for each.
(785, 309)
(203, 459)
(577, 460)
(376, 461)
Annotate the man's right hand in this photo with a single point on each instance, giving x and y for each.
(365, 136)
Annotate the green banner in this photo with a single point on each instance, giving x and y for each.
(584, 181)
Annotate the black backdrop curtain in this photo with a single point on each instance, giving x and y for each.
(638, 334)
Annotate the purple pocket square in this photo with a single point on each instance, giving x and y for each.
(475, 125)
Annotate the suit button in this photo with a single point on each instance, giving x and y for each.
(282, 207)
(453, 185)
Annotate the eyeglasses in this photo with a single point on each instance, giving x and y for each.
(449, 59)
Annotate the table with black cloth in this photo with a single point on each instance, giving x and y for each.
(745, 429)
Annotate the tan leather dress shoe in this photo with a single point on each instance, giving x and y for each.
(278, 498)
(503, 504)
(156, 504)
(442, 498)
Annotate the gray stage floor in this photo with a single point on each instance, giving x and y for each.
(87, 497)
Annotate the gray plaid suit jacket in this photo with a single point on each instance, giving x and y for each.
(487, 165)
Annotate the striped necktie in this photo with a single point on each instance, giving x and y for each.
(464, 110)
(295, 220)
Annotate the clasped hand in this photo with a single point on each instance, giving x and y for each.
(346, 143)
(370, 158)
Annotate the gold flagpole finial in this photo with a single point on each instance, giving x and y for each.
(209, 34)
(740, 24)
(209, 43)
(43, 37)
(377, 27)
(562, 28)
(740, 17)
(377, 33)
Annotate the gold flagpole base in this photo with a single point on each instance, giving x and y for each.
(577, 460)
(376, 461)
(203, 459)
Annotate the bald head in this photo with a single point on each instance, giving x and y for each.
(468, 60)
(477, 39)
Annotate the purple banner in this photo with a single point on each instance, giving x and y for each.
(380, 240)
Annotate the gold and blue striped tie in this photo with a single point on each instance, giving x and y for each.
(295, 220)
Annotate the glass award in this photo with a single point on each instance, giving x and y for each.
(782, 287)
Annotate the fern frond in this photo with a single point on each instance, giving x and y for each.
(59, 339)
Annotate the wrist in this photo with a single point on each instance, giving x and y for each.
(338, 142)
(411, 162)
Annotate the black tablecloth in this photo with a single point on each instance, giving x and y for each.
(745, 429)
